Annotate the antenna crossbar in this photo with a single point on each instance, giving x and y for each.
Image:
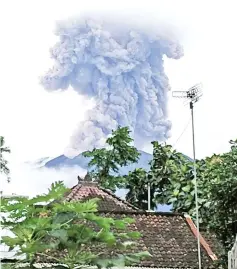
(180, 94)
(193, 94)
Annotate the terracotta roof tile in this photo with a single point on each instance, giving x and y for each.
(108, 201)
(167, 236)
(170, 241)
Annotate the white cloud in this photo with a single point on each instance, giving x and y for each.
(30, 181)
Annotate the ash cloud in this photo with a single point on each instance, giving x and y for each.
(120, 66)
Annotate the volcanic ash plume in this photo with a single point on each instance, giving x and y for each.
(123, 70)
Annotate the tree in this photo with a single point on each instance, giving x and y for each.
(165, 164)
(137, 186)
(171, 176)
(105, 162)
(3, 163)
(172, 181)
(49, 229)
(222, 172)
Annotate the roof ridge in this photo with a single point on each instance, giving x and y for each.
(138, 210)
(203, 242)
(120, 199)
(143, 212)
(100, 192)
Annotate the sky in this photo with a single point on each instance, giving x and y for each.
(36, 123)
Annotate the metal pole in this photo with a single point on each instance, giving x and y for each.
(149, 197)
(196, 193)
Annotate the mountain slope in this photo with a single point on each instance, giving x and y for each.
(82, 162)
(63, 161)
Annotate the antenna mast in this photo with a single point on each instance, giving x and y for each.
(149, 197)
(192, 96)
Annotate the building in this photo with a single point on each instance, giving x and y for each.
(170, 238)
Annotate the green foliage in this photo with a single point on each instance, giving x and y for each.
(3, 162)
(171, 175)
(222, 173)
(49, 229)
(137, 182)
(107, 161)
(164, 164)
(172, 182)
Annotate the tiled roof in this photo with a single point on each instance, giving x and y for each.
(108, 201)
(169, 237)
(166, 236)
(52, 265)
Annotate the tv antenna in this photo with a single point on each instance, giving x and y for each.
(192, 95)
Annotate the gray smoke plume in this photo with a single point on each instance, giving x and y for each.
(122, 68)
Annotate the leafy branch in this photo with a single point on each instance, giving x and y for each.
(68, 233)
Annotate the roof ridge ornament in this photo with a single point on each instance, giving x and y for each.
(79, 179)
(87, 179)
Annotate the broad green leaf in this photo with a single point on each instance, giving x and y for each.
(134, 235)
(107, 237)
(176, 192)
(12, 242)
(59, 234)
(186, 188)
(120, 224)
(129, 220)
